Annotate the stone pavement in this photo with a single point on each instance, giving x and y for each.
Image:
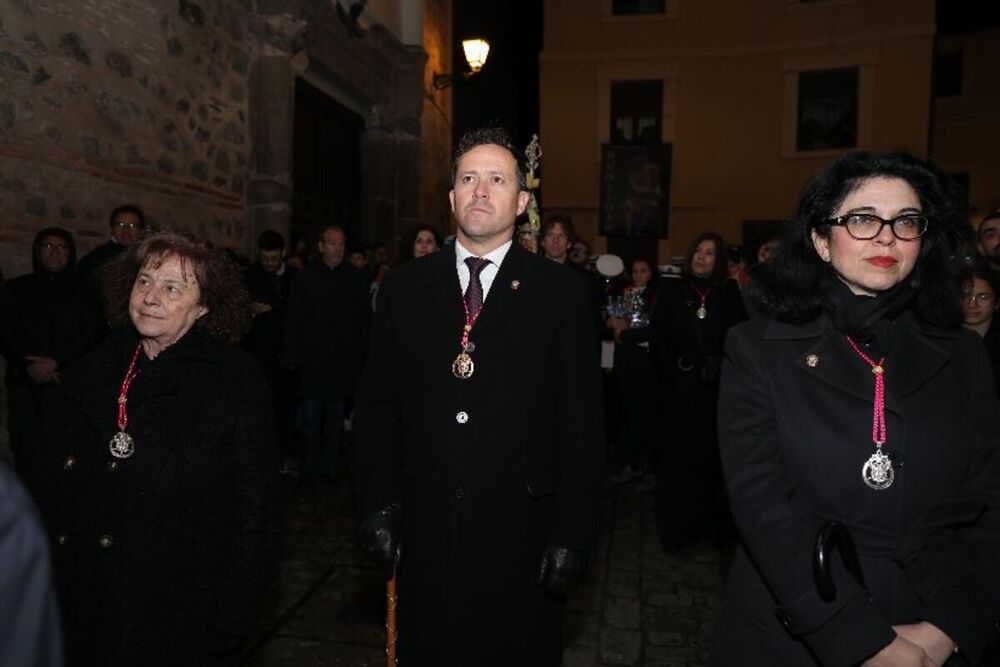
(638, 606)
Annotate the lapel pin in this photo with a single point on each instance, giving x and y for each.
(515, 284)
(812, 361)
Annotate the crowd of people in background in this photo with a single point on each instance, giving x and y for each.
(307, 307)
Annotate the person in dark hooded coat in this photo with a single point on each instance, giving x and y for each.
(52, 320)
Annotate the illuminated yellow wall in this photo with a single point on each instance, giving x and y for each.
(729, 69)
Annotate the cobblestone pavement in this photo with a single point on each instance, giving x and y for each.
(638, 606)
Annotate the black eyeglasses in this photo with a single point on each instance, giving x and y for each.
(865, 226)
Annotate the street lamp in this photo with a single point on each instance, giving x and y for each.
(476, 50)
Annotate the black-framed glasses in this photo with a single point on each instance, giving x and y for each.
(865, 226)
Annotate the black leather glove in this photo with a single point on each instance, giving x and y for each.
(380, 537)
(561, 570)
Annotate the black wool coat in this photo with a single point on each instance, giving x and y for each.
(489, 470)
(795, 428)
(326, 329)
(50, 315)
(161, 558)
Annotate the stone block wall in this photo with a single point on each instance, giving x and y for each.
(105, 102)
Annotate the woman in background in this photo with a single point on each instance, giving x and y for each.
(690, 323)
(979, 306)
(635, 375)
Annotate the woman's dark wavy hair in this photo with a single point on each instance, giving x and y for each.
(412, 238)
(223, 291)
(792, 287)
(720, 274)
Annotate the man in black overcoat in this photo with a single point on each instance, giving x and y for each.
(326, 330)
(479, 465)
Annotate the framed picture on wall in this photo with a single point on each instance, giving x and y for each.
(635, 190)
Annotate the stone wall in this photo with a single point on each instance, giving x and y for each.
(103, 103)
(186, 107)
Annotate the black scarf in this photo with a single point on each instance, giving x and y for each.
(866, 319)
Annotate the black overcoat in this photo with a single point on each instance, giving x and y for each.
(489, 470)
(326, 329)
(795, 425)
(161, 558)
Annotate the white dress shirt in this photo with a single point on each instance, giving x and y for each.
(489, 272)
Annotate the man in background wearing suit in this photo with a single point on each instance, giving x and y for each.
(479, 432)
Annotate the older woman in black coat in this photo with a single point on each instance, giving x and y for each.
(861, 401)
(159, 470)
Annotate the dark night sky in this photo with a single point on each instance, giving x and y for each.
(505, 92)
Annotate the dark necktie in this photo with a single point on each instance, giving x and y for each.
(474, 292)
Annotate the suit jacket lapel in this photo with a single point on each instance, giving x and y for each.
(503, 295)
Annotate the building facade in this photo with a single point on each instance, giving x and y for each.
(752, 97)
(966, 136)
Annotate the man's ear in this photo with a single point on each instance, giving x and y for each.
(523, 197)
(451, 198)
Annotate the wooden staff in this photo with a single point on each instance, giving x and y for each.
(390, 620)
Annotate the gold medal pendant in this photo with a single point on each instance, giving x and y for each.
(877, 472)
(121, 446)
(701, 313)
(463, 366)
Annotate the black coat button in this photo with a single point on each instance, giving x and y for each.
(105, 541)
(69, 463)
(112, 466)
(62, 539)
(459, 492)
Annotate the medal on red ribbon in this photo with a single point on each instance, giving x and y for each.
(122, 446)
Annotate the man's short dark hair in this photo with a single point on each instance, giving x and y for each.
(128, 208)
(552, 221)
(330, 226)
(270, 240)
(992, 215)
(483, 136)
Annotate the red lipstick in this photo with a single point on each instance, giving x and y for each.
(883, 262)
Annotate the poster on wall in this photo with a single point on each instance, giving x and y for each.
(635, 190)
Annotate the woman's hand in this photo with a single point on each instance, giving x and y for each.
(618, 325)
(42, 369)
(935, 643)
(900, 653)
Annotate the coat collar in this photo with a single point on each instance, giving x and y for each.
(916, 357)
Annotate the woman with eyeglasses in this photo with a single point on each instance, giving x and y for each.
(980, 304)
(858, 407)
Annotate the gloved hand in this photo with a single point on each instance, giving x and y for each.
(380, 537)
(561, 570)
